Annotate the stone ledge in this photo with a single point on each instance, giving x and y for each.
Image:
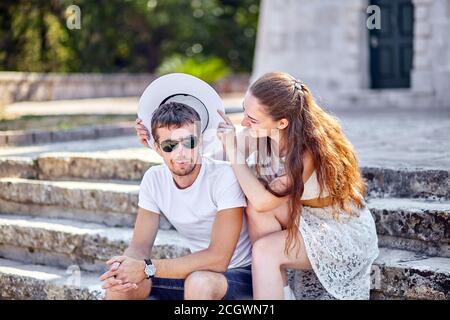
(115, 204)
(380, 181)
(413, 276)
(114, 197)
(434, 249)
(107, 218)
(33, 86)
(67, 242)
(94, 166)
(410, 183)
(402, 275)
(37, 282)
(31, 137)
(109, 203)
(396, 274)
(412, 219)
(18, 167)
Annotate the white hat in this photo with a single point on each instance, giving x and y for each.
(183, 88)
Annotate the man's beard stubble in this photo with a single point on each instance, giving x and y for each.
(185, 172)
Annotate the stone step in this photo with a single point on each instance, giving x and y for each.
(413, 224)
(110, 203)
(407, 183)
(37, 282)
(109, 165)
(18, 167)
(396, 274)
(62, 242)
(122, 165)
(86, 132)
(409, 275)
(96, 166)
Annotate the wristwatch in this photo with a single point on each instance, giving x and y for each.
(149, 268)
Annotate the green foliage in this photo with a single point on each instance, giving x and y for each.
(32, 38)
(207, 37)
(208, 69)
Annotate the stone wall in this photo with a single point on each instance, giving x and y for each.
(442, 44)
(325, 43)
(23, 86)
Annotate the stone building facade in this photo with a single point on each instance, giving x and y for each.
(328, 45)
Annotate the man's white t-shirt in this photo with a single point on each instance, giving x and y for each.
(192, 210)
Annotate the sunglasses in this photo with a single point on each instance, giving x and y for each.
(169, 145)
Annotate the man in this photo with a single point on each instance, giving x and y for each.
(202, 199)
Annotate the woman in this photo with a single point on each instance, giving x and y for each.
(305, 192)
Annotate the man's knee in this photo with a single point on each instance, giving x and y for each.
(141, 293)
(205, 285)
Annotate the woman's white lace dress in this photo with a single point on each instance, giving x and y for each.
(341, 251)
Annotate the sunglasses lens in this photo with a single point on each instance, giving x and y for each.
(190, 142)
(169, 145)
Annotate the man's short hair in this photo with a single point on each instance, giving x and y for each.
(173, 114)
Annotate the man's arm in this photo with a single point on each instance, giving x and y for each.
(144, 234)
(140, 247)
(224, 238)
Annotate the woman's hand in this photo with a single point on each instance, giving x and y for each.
(142, 132)
(226, 132)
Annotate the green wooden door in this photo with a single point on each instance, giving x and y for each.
(391, 47)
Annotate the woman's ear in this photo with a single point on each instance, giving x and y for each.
(283, 123)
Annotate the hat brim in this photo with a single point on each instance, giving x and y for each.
(182, 84)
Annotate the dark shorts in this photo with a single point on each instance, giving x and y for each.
(239, 286)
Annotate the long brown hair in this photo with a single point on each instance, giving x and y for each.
(310, 128)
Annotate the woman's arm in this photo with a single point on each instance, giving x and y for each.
(141, 132)
(254, 190)
(258, 195)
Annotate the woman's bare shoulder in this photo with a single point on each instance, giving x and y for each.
(308, 165)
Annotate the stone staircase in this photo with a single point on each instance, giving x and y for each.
(62, 215)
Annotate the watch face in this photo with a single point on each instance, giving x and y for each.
(150, 269)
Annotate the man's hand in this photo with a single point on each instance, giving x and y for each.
(124, 274)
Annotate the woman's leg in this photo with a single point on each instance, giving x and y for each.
(269, 260)
(261, 224)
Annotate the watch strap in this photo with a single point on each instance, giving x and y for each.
(148, 262)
